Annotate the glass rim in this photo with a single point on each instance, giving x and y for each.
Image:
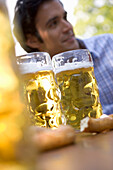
(60, 54)
(31, 53)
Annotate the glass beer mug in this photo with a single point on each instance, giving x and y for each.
(42, 95)
(79, 91)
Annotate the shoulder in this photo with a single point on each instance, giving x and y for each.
(101, 37)
(99, 41)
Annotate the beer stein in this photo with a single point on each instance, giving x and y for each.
(79, 91)
(41, 93)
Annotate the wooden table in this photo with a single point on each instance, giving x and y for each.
(90, 152)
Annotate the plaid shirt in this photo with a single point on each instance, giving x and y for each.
(101, 49)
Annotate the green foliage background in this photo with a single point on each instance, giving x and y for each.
(93, 17)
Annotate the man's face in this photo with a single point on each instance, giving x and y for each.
(54, 29)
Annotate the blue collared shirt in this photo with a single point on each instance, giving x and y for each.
(101, 49)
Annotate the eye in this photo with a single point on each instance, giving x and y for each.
(53, 24)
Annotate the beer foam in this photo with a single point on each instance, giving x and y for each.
(72, 66)
(32, 68)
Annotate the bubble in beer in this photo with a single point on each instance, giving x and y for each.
(42, 95)
(79, 92)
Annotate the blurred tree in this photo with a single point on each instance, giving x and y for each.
(93, 17)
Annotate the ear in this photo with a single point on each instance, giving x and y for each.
(32, 41)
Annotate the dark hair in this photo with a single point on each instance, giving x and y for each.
(24, 21)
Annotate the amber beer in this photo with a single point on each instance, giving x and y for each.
(41, 93)
(79, 90)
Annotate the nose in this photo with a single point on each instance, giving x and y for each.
(66, 25)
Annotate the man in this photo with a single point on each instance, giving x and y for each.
(41, 25)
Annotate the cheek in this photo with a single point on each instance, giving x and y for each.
(53, 34)
(43, 35)
(50, 38)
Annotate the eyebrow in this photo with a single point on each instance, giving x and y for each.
(54, 18)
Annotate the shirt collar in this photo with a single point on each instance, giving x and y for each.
(81, 44)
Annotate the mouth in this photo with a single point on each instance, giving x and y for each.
(70, 38)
